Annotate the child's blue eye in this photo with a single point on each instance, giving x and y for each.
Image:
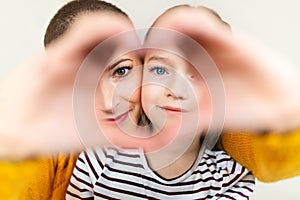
(121, 72)
(159, 70)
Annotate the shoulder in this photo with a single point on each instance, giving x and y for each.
(221, 161)
(108, 153)
(225, 170)
(104, 157)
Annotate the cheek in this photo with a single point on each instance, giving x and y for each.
(134, 96)
(109, 128)
(104, 93)
(151, 96)
(203, 99)
(130, 87)
(201, 94)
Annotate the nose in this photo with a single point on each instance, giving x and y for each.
(105, 98)
(177, 88)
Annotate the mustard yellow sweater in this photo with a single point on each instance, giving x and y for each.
(36, 179)
(271, 157)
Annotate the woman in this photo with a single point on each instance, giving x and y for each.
(76, 29)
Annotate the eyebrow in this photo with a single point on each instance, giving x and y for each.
(118, 62)
(157, 58)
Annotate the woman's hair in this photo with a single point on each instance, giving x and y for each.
(68, 13)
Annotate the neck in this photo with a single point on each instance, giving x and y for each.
(174, 161)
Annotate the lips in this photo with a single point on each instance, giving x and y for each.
(172, 110)
(118, 119)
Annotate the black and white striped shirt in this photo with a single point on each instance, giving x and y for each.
(125, 174)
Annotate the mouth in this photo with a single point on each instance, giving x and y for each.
(172, 110)
(118, 119)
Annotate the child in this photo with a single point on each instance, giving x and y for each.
(262, 124)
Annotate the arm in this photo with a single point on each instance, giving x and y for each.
(64, 169)
(271, 157)
(36, 100)
(243, 189)
(237, 182)
(30, 179)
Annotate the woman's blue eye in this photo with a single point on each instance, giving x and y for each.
(121, 72)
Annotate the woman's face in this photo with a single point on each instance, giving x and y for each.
(117, 100)
(117, 96)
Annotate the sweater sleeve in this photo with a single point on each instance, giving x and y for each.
(28, 179)
(271, 157)
(42, 178)
(64, 168)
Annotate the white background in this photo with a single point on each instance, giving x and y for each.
(275, 22)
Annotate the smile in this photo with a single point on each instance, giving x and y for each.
(118, 119)
(172, 110)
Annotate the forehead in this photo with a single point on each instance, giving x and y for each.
(133, 56)
(163, 56)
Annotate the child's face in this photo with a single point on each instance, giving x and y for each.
(174, 89)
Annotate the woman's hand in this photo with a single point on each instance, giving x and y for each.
(261, 89)
(36, 99)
